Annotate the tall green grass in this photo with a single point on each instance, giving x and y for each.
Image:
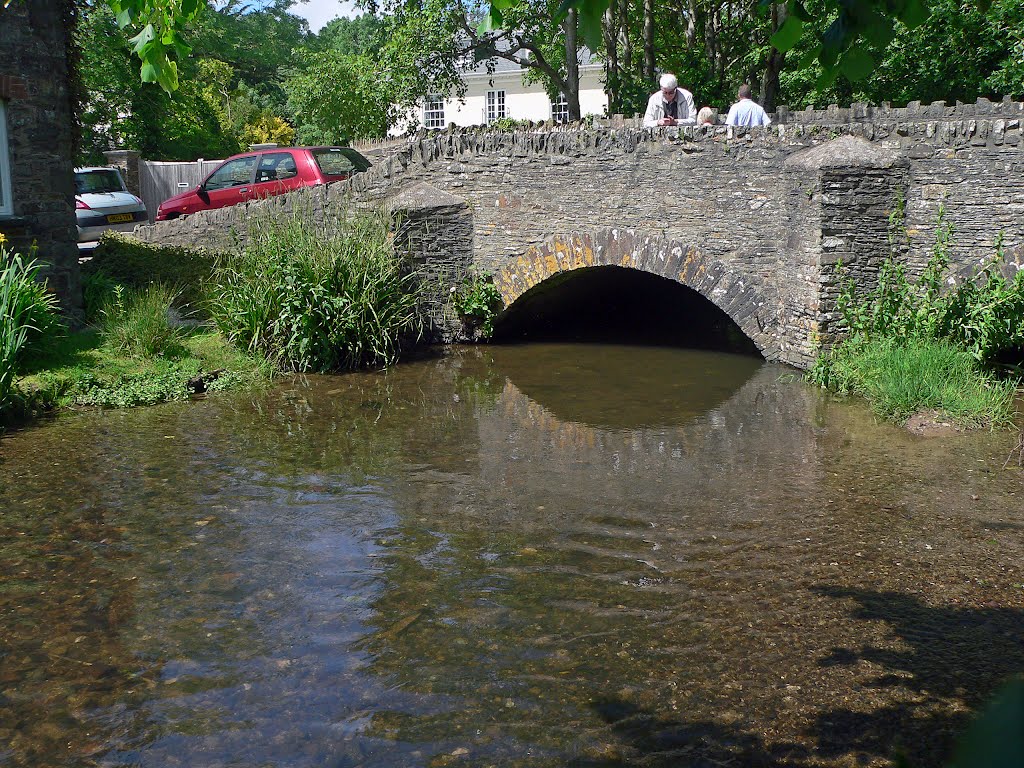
(316, 300)
(138, 322)
(902, 377)
(28, 319)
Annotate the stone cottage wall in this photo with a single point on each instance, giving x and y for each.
(38, 102)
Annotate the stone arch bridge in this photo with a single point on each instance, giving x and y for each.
(752, 219)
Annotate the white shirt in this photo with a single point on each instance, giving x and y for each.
(685, 111)
(747, 112)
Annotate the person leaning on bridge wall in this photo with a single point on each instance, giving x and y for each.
(671, 105)
(706, 116)
(746, 111)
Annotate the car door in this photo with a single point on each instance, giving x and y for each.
(275, 174)
(230, 184)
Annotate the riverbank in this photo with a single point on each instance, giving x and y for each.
(943, 348)
(82, 370)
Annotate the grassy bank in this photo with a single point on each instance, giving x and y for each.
(295, 298)
(936, 344)
(84, 369)
(901, 378)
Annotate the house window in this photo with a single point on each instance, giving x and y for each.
(6, 204)
(495, 106)
(433, 112)
(560, 109)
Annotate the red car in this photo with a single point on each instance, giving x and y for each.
(255, 175)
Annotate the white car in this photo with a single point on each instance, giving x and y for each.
(103, 202)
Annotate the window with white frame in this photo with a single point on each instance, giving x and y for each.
(495, 106)
(560, 109)
(433, 112)
(6, 204)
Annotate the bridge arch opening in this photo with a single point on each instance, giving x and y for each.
(620, 305)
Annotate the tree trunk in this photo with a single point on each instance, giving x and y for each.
(773, 66)
(648, 35)
(572, 66)
(610, 28)
(691, 23)
(627, 43)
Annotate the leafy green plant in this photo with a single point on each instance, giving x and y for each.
(28, 319)
(97, 291)
(478, 303)
(926, 344)
(508, 124)
(138, 323)
(313, 300)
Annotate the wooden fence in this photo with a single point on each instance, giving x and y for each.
(159, 181)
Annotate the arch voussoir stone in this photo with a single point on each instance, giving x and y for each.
(751, 303)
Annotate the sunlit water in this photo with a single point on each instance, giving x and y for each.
(509, 556)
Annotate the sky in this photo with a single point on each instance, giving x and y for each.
(319, 12)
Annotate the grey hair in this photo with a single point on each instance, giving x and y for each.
(744, 92)
(706, 115)
(668, 80)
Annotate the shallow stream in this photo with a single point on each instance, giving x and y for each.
(540, 555)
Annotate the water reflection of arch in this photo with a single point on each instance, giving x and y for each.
(759, 441)
(744, 296)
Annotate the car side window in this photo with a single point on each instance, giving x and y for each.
(232, 174)
(276, 166)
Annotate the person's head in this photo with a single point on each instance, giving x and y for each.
(706, 116)
(743, 92)
(668, 83)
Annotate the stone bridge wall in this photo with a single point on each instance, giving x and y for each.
(752, 219)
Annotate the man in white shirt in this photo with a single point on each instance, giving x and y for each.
(671, 105)
(746, 111)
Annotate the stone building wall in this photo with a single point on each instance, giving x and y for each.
(38, 102)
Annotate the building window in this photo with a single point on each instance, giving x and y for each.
(6, 204)
(495, 106)
(560, 109)
(433, 112)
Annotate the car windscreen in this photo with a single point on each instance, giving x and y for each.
(339, 161)
(97, 182)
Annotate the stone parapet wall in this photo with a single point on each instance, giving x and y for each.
(35, 92)
(697, 202)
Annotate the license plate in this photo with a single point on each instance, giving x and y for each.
(118, 218)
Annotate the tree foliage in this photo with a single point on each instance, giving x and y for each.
(337, 97)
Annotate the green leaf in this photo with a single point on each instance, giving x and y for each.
(788, 34)
(123, 18)
(810, 57)
(826, 78)
(490, 22)
(141, 40)
(914, 13)
(996, 738)
(857, 63)
(796, 8)
(878, 29)
(591, 12)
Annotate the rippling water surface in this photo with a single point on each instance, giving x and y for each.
(548, 555)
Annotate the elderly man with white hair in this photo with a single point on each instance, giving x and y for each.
(671, 105)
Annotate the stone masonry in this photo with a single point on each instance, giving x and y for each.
(38, 103)
(752, 219)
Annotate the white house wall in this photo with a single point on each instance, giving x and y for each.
(522, 102)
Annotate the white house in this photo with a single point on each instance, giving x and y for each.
(501, 93)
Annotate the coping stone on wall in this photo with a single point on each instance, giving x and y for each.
(844, 152)
(423, 196)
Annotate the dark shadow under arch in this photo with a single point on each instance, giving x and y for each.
(620, 305)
